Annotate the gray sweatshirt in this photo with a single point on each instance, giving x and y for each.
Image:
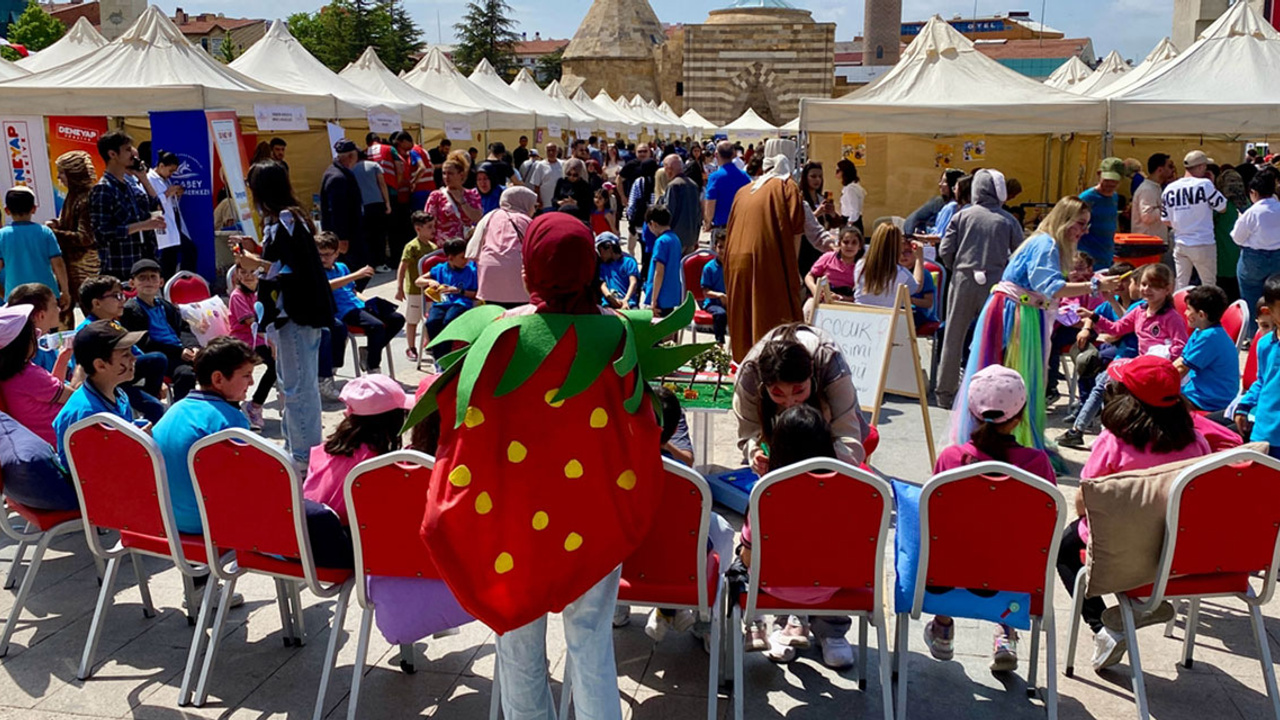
(982, 236)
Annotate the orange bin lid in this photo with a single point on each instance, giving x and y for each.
(1138, 239)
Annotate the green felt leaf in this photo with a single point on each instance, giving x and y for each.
(538, 337)
(474, 363)
(448, 361)
(429, 402)
(632, 404)
(468, 326)
(663, 361)
(679, 318)
(627, 360)
(602, 334)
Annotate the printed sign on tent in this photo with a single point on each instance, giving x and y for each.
(853, 147)
(942, 153)
(224, 127)
(185, 133)
(975, 148)
(26, 162)
(271, 118)
(553, 129)
(336, 133)
(67, 133)
(457, 130)
(384, 122)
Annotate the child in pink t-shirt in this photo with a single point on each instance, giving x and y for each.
(1146, 423)
(838, 265)
(997, 401)
(244, 315)
(28, 393)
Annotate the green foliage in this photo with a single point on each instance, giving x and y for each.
(487, 32)
(9, 54)
(36, 29)
(339, 32)
(548, 67)
(228, 51)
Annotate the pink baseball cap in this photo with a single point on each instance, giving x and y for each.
(424, 385)
(373, 395)
(12, 319)
(996, 394)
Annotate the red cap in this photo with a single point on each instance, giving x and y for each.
(1152, 379)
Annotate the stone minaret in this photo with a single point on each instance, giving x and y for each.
(883, 32)
(613, 49)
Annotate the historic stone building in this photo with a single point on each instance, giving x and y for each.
(761, 54)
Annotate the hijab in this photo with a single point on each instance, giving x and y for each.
(519, 199)
(560, 266)
(504, 227)
(490, 201)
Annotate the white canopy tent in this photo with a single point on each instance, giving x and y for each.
(665, 111)
(622, 107)
(792, 127)
(749, 124)
(150, 67)
(1221, 85)
(279, 60)
(10, 70)
(697, 123)
(1069, 74)
(615, 123)
(943, 85)
(436, 75)
(550, 115)
(1112, 68)
(659, 124)
(79, 41)
(1163, 52)
(584, 123)
(368, 73)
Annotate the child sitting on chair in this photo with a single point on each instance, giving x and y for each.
(455, 282)
(375, 316)
(163, 324)
(1210, 361)
(716, 301)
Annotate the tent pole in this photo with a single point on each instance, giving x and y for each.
(1048, 159)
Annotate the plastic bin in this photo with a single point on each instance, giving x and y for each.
(1139, 249)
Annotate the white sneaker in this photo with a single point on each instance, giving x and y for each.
(837, 653)
(621, 615)
(1108, 648)
(796, 633)
(657, 625)
(779, 651)
(329, 389)
(683, 620)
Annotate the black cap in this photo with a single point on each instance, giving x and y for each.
(344, 146)
(144, 265)
(100, 338)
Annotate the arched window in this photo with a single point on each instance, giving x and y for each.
(879, 52)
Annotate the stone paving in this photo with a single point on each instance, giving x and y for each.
(140, 661)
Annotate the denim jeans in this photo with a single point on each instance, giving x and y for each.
(1092, 404)
(297, 365)
(588, 631)
(1254, 268)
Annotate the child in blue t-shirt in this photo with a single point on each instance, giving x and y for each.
(29, 252)
(1262, 399)
(714, 298)
(455, 282)
(1210, 361)
(662, 289)
(376, 317)
(921, 300)
(619, 273)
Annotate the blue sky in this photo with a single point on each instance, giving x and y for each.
(1130, 26)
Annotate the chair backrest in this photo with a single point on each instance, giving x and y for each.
(675, 550)
(186, 287)
(691, 271)
(1250, 372)
(790, 550)
(1235, 321)
(386, 499)
(1223, 517)
(1180, 304)
(250, 498)
(939, 305)
(137, 501)
(962, 546)
(430, 260)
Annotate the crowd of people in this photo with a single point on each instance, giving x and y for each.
(530, 233)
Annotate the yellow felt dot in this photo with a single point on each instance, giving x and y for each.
(516, 452)
(503, 564)
(540, 520)
(484, 503)
(550, 396)
(573, 542)
(573, 470)
(474, 417)
(460, 476)
(599, 418)
(627, 480)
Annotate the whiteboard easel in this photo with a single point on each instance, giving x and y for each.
(875, 342)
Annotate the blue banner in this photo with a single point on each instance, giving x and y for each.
(185, 133)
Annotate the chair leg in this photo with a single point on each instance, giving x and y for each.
(495, 691)
(299, 622)
(735, 631)
(886, 683)
(286, 619)
(1135, 658)
(140, 573)
(11, 577)
(1051, 662)
(356, 370)
(28, 579)
(1172, 625)
(407, 663)
(1035, 657)
(1077, 607)
(331, 653)
(713, 667)
(862, 652)
(99, 611)
(362, 656)
(197, 640)
(900, 648)
(215, 639)
(189, 593)
(1264, 655)
(1189, 643)
(391, 362)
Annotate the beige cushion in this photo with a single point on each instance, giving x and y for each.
(1126, 514)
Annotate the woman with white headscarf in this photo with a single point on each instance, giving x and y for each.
(497, 246)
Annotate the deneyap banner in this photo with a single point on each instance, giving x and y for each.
(26, 162)
(185, 133)
(74, 132)
(224, 127)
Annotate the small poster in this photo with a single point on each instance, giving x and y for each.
(975, 148)
(67, 133)
(384, 122)
(27, 162)
(553, 129)
(457, 130)
(942, 153)
(225, 128)
(336, 133)
(271, 118)
(853, 147)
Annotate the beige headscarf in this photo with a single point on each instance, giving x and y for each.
(775, 167)
(78, 166)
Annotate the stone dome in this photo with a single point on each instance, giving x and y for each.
(754, 12)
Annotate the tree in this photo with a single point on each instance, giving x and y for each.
(227, 52)
(548, 67)
(487, 32)
(339, 32)
(34, 29)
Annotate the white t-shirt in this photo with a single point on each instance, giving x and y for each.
(886, 298)
(1188, 205)
(851, 199)
(544, 177)
(1259, 226)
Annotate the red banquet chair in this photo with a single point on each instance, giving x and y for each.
(136, 505)
(1017, 555)
(40, 528)
(783, 541)
(1235, 321)
(250, 499)
(428, 261)
(186, 287)
(691, 274)
(1222, 532)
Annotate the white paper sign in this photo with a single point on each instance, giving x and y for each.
(384, 121)
(632, 135)
(26, 162)
(457, 130)
(336, 133)
(271, 118)
(553, 129)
